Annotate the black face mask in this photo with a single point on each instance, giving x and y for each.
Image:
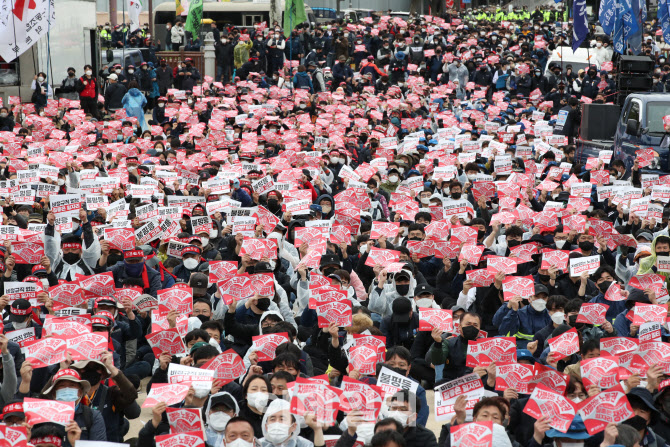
(71, 258)
(603, 286)
(544, 278)
(481, 234)
(572, 321)
(113, 258)
(329, 271)
(470, 332)
(273, 205)
(203, 318)
(413, 238)
(93, 377)
(374, 144)
(662, 253)
(402, 289)
(513, 243)
(637, 422)
(263, 304)
(586, 246)
(455, 195)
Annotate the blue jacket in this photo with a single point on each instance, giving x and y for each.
(302, 80)
(526, 321)
(615, 307)
(242, 196)
(622, 324)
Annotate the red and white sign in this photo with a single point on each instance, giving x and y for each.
(312, 396)
(471, 253)
(39, 411)
(359, 396)
(565, 344)
(379, 256)
(227, 366)
(170, 393)
(168, 340)
(435, 318)
(472, 434)
(446, 394)
(184, 420)
(514, 375)
(265, 345)
(188, 439)
(588, 264)
(484, 351)
(592, 313)
(645, 313)
(27, 252)
(601, 371)
(45, 352)
(555, 258)
(609, 406)
(178, 297)
(544, 401)
(87, 346)
(120, 238)
(388, 229)
(522, 286)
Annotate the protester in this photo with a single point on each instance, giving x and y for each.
(377, 233)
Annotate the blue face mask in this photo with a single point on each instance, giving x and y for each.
(67, 394)
(134, 270)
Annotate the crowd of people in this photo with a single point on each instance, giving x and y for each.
(292, 253)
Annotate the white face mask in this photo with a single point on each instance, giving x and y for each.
(258, 400)
(191, 263)
(277, 433)
(558, 317)
(131, 71)
(472, 177)
(40, 79)
(239, 442)
(201, 392)
(217, 421)
(204, 241)
(560, 244)
(393, 179)
(118, 71)
(424, 302)
(425, 200)
(399, 416)
(60, 181)
(89, 72)
(539, 304)
(335, 160)
(365, 432)
(45, 283)
(363, 248)
(22, 325)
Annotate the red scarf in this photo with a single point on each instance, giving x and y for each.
(163, 271)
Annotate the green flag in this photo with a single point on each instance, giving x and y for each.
(294, 14)
(194, 19)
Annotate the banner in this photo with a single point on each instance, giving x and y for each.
(22, 26)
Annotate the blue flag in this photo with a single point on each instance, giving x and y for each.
(580, 27)
(625, 25)
(607, 15)
(635, 39)
(664, 18)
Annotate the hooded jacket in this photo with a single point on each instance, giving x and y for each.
(326, 216)
(522, 323)
(212, 436)
(381, 300)
(294, 440)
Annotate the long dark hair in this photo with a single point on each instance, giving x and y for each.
(133, 84)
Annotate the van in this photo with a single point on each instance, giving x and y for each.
(324, 15)
(129, 57)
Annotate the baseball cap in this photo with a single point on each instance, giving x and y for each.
(198, 283)
(524, 354)
(423, 289)
(540, 288)
(19, 310)
(224, 399)
(401, 309)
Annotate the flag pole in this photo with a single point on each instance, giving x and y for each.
(290, 46)
(48, 48)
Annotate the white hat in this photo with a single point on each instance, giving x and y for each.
(113, 77)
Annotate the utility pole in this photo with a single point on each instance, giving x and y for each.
(151, 19)
(112, 13)
(273, 14)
